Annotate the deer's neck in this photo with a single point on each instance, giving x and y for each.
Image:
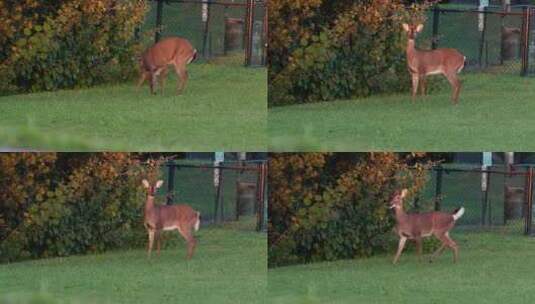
(149, 204)
(400, 214)
(411, 48)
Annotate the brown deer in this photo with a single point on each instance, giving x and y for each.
(146, 75)
(158, 218)
(419, 225)
(174, 51)
(421, 63)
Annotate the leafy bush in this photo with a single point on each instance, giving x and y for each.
(332, 206)
(69, 203)
(48, 45)
(323, 50)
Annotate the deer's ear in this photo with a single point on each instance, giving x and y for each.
(419, 28)
(145, 183)
(404, 193)
(159, 183)
(405, 27)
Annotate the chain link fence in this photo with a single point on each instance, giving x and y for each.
(228, 191)
(493, 198)
(492, 40)
(213, 27)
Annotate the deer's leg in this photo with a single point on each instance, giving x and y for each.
(163, 77)
(153, 79)
(151, 240)
(455, 86)
(423, 86)
(438, 251)
(401, 244)
(453, 247)
(182, 74)
(187, 234)
(415, 81)
(158, 239)
(447, 241)
(418, 242)
(142, 78)
(192, 243)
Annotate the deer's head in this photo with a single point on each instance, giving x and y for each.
(151, 189)
(412, 29)
(397, 199)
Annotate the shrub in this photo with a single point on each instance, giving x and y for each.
(49, 45)
(332, 206)
(63, 204)
(323, 50)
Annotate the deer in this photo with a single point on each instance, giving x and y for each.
(146, 75)
(422, 63)
(417, 226)
(160, 218)
(174, 51)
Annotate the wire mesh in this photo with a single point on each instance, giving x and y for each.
(194, 183)
(491, 40)
(531, 43)
(259, 35)
(214, 28)
(503, 206)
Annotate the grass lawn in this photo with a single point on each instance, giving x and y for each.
(495, 113)
(229, 267)
(222, 108)
(493, 268)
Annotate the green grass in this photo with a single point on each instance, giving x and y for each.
(495, 113)
(222, 108)
(493, 268)
(229, 267)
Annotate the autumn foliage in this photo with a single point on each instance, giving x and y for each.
(329, 206)
(48, 45)
(68, 203)
(323, 50)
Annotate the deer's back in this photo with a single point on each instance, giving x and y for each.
(166, 51)
(172, 216)
(424, 224)
(435, 60)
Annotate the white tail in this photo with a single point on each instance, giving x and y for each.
(420, 225)
(458, 214)
(446, 61)
(158, 218)
(174, 51)
(198, 221)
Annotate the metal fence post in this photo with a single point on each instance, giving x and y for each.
(485, 200)
(218, 197)
(261, 194)
(526, 16)
(170, 182)
(249, 31)
(159, 10)
(482, 42)
(258, 196)
(205, 47)
(266, 33)
(438, 188)
(221, 197)
(529, 201)
(436, 16)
